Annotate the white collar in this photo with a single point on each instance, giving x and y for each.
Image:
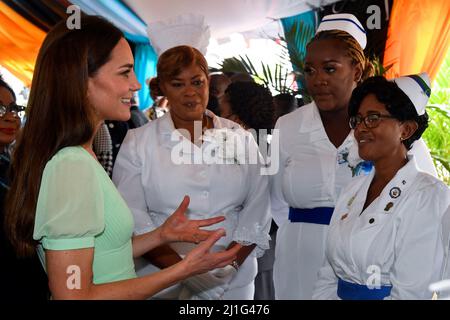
(310, 119)
(399, 186)
(166, 128)
(166, 125)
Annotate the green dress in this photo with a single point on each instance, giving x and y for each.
(79, 207)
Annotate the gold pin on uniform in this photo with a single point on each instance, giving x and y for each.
(388, 206)
(349, 203)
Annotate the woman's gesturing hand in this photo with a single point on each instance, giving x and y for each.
(200, 259)
(179, 228)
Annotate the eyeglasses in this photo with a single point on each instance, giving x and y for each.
(15, 109)
(370, 121)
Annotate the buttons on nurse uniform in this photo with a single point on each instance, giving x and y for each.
(371, 220)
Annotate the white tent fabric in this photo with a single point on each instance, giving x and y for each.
(94, 7)
(225, 17)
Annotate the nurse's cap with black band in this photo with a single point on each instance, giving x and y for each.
(344, 22)
(417, 88)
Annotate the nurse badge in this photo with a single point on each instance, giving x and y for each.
(395, 192)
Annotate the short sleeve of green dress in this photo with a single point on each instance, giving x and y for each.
(79, 207)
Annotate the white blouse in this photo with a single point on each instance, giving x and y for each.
(395, 241)
(153, 184)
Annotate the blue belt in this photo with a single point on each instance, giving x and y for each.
(321, 215)
(352, 291)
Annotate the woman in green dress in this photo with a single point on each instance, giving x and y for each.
(62, 202)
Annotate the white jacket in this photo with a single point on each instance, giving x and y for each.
(395, 241)
(153, 186)
(312, 173)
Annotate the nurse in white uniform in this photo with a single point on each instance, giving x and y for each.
(168, 158)
(385, 239)
(315, 153)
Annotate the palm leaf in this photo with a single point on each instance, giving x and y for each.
(233, 65)
(380, 70)
(274, 80)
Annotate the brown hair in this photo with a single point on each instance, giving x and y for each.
(354, 50)
(58, 115)
(172, 62)
(3, 84)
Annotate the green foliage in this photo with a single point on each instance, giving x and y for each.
(298, 35)
(233, 65)
(380, 70)
(438, 140)
(276, 77)
(436, 136)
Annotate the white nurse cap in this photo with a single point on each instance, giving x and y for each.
(417, 88)
(344, 22)
(188, 29)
